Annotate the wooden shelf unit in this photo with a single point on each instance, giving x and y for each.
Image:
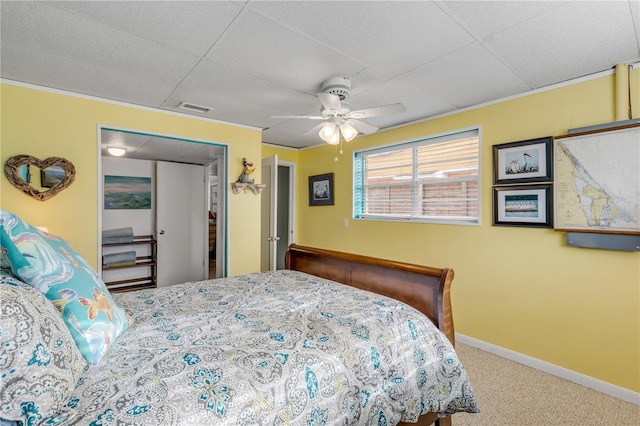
(148, 281)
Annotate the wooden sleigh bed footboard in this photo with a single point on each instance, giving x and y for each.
(425, 288)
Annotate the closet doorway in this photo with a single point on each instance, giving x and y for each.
(143, 153)
(278, 212)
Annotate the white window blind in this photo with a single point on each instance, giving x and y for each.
(433, 179)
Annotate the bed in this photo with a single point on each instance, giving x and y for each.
(426, 289)
(287, 347)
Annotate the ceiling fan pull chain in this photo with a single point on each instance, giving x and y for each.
(336, 157)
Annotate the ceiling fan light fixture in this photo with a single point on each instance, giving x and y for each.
(330, 133)
(335, 140)
(343, 122)
(116, 152)
(338, 86)
(348, 132)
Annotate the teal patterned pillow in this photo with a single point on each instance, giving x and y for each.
(49, 264)
(39, 361)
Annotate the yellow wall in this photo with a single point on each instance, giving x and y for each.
(519, 288)
(284, 154)
(46, 124)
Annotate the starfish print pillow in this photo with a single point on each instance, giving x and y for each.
(51, 265)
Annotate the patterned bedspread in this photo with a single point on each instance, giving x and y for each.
(275, 348)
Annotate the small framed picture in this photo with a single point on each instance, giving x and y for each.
(321, 190)
(524, 205)
(523, 162)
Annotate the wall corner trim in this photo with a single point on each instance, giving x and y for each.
(555, 370)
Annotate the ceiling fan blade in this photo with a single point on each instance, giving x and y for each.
(376, 111)
(363, 127)
(308, 117)
(314, 129)
(330, 102)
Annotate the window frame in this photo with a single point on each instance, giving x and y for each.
(396, 146)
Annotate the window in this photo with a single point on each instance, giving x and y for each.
(430, 180)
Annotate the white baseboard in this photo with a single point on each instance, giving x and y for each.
(564, 373)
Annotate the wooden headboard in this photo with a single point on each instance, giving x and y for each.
(425, 288)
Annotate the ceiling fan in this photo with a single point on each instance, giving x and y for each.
(341, 122)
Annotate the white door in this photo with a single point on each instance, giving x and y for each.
(269, 214)
(286, 211)
(221, 220)
(181, 222)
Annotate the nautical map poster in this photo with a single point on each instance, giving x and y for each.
(597, 182)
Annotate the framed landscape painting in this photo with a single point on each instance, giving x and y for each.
(127, 192)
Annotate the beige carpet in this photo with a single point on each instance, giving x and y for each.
(513, 394)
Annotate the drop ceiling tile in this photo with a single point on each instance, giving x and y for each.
(487, 17)
(226, 109)
(38, 25)
(29, 65)
(576, 40)
(274, 53)
(289, 138)
(229, 83)
(298, 126)
(204, 155)
(166, 148)
(133, 141)
(420, 104)
(390, 37)
(159, 148)
(469, 76)
(188, 26)
(365, 80)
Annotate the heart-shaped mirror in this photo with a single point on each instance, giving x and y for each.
(55, 174)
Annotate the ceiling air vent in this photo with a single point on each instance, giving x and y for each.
(194, 108)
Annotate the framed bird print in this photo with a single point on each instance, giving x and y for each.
(321, 190)
(522, 205)
(523, 162)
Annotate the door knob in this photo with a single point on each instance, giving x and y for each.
(161, 232)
